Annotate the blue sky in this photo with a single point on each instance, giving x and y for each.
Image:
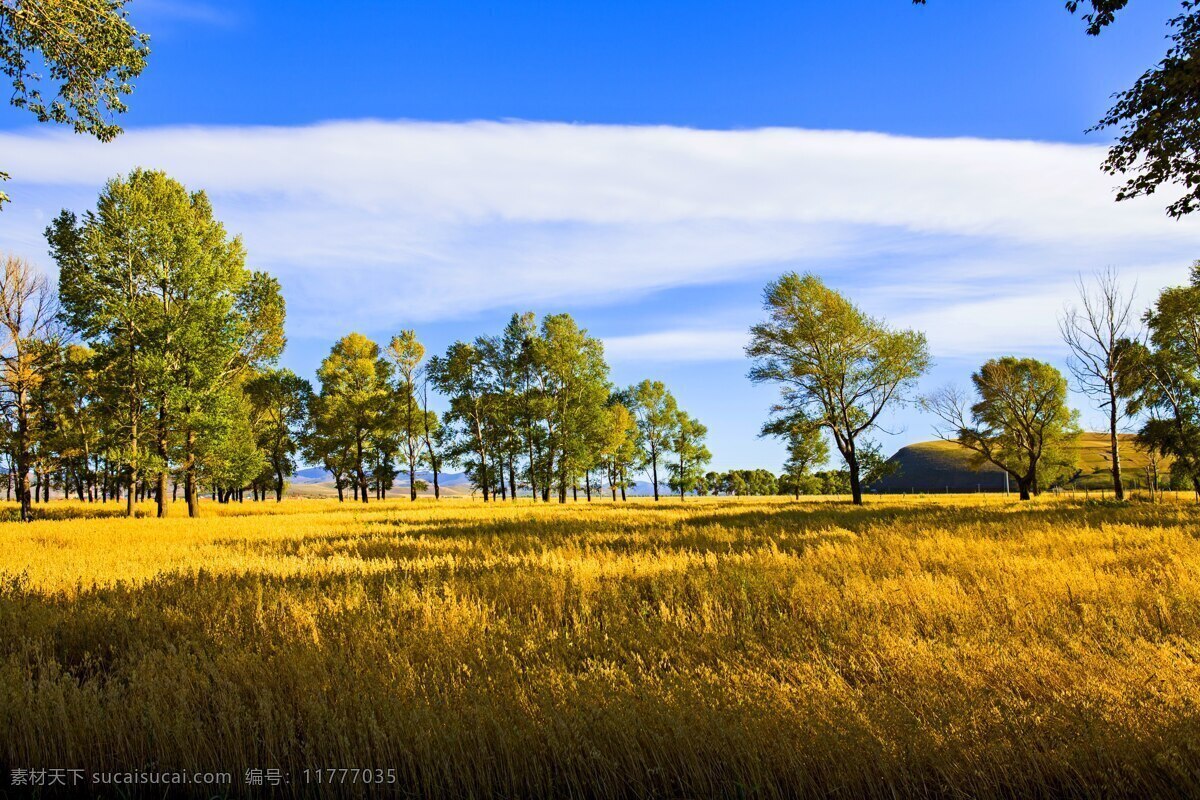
(645, 166)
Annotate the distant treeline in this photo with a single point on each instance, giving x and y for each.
(763, 482)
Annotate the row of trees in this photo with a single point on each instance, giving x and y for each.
(531, 409)
(764, 483)
(838, 370)
(152, 370)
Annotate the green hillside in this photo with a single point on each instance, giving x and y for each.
(939, 466)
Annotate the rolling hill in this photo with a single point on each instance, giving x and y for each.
(939, 466)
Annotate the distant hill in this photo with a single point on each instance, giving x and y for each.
(945, 466)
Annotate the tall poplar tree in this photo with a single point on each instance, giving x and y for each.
(354, 389)
(691, 454)
(151, 280)
(657, 415)
(834, 364)
(405, 353)
(279, 401)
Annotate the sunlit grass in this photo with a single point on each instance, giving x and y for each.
(933, 645)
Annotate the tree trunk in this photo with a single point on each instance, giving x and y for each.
(855, 485)
(654, 471)
(161, 444)
(23, 492)
(191, 488)
(133, 472)
(358, 466)
(22, 457)
(533, 482)
(562, 478)
(1118, 487)
(278, 484)
(437, 492)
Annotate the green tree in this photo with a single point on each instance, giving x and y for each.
(406, 353)
(354, 387)
(1164, 379)
(77, 423)
(70, 61)
(835, 365)
(833, 482)
(577, 383)
(330, 443)
(460, 376)
(806, 447)
(153, 283)
(431, 435)
(385, 444)
(1020, 420)
(279, 403)
(657, 415)
(227, 454)
(508, 361)
(619, 448)
(691, 455)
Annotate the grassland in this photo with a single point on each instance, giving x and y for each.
(925, 646)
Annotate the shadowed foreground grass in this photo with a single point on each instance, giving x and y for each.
(962, 646)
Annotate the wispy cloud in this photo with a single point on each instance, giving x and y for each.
(678, 345)
(373, 223)
(191, 12)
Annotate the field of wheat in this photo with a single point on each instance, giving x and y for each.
(935, 646)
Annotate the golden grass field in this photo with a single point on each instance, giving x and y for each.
(962, 646)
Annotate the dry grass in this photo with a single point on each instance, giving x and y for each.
(963, 646)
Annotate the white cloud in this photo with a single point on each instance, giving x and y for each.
(371, 224)
(678, 345)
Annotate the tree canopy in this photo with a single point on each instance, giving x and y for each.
(1019, 421)
(835, 366)
(71, 61)
(1156, 119)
